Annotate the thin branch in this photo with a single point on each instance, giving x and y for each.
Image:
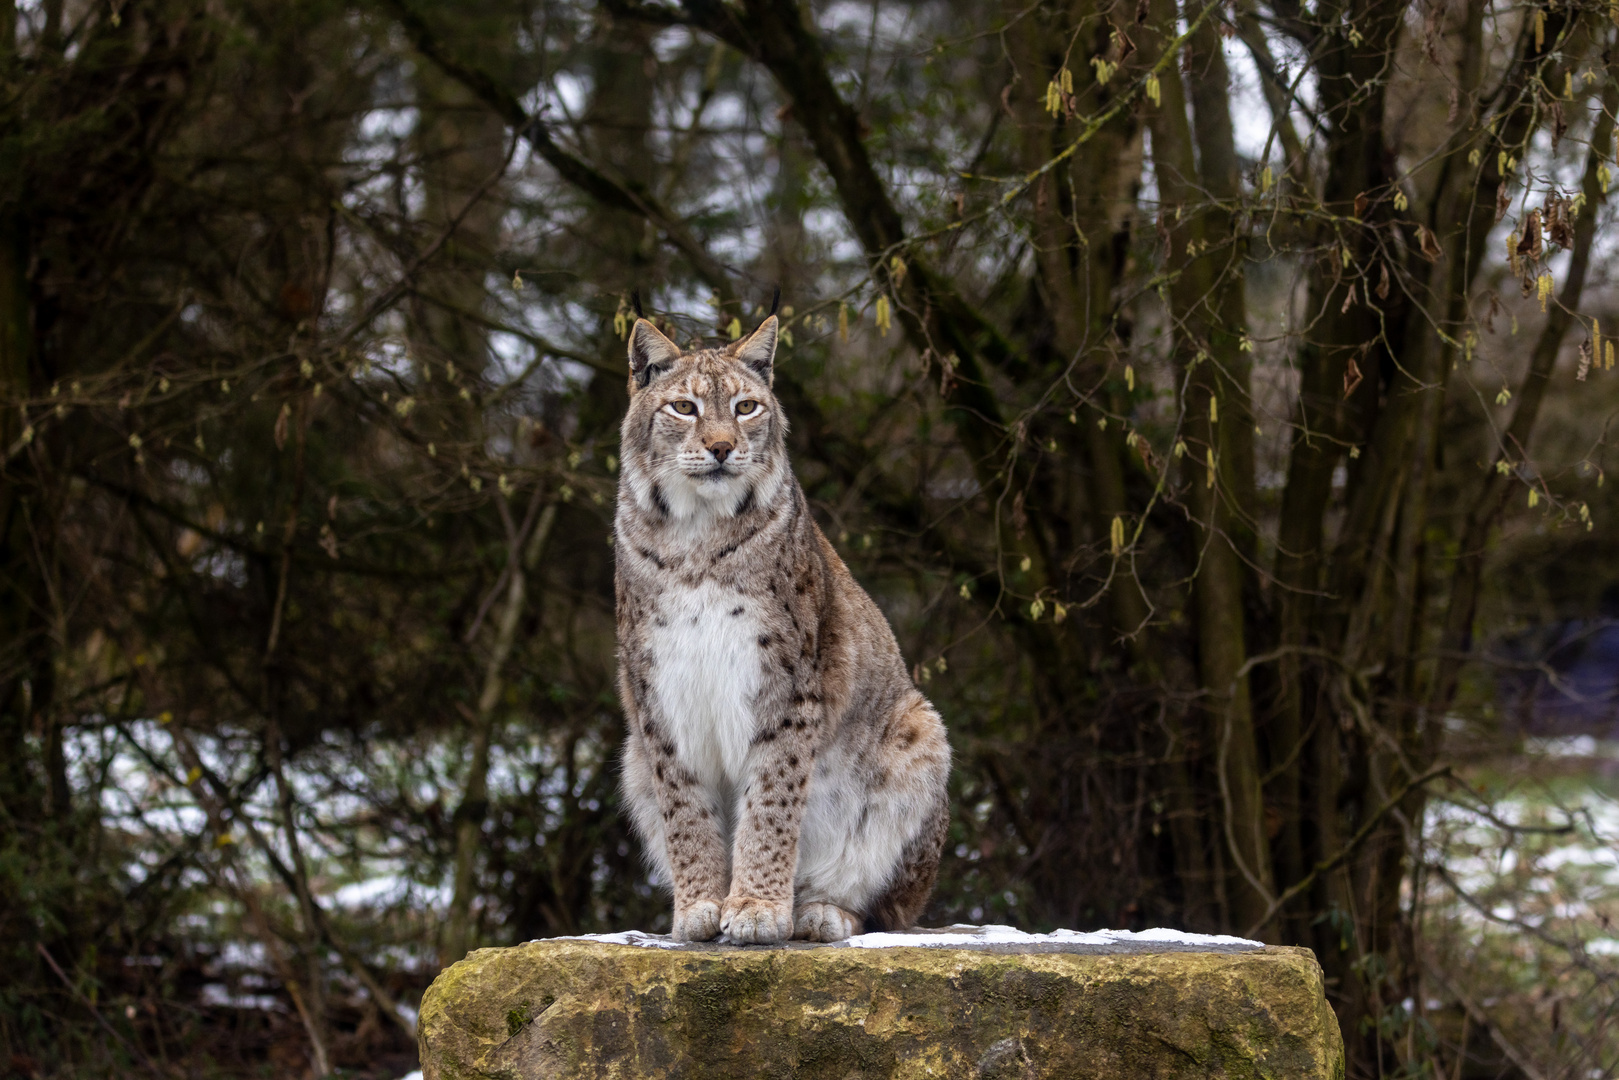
(1365, 830)
(88, 1004)
(572, 168)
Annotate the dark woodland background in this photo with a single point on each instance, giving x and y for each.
(1216, 396)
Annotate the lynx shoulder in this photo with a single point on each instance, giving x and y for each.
(783, 772)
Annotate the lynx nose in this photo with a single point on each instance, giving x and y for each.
(720, 450)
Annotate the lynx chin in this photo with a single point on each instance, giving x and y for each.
(783, 771)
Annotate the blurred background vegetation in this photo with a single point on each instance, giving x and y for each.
(1216, 397)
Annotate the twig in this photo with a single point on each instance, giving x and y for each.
(1479, 1016)
(1575, 949)
(514, 544)
(1348, 849)
(95, 1012)
(386, 298)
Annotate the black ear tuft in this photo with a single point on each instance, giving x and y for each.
(650, 353)
(775, 300)
(635, 302)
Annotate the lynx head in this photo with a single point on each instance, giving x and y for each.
(704, 436)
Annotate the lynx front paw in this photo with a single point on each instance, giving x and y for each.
(825, 922)
(747, 920)
(697, 921)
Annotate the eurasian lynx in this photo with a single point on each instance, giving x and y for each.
(778, 751)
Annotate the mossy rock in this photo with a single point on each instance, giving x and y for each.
(580, 1008)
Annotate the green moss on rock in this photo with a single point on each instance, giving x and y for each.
(570, 1008)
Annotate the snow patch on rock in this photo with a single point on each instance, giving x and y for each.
(630, 937)
(962, 935)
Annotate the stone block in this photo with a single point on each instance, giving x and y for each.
(964, 1002)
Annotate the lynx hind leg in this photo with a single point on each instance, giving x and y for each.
(874, 825)
(907, 895)
(916, 737)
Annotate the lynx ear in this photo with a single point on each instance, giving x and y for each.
(650, 353)
(757, 351)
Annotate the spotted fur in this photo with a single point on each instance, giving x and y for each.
(778, 753)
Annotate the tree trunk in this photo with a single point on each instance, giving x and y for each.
(524, 556)
(1206, 303)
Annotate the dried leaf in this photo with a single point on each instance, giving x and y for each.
(1126, 46)
(1557, 222)
(1559, 123)
(1352, 377)
(1529, 244)
(1503, 202)
(1430, 243)
(1562, 235)
(1145, 450)
(1383, 283)
(1362, 202)
(1349, 299)
(281, 426)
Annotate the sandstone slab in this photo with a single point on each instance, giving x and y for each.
(964, 1002)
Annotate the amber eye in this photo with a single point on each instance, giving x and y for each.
(686, 408)
(743, 408)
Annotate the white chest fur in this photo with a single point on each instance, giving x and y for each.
(706, 674)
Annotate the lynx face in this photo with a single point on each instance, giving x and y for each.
(704, 436)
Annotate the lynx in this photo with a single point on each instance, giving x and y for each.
(785, 775)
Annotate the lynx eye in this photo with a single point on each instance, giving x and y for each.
(685, 408)
(743, 408)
